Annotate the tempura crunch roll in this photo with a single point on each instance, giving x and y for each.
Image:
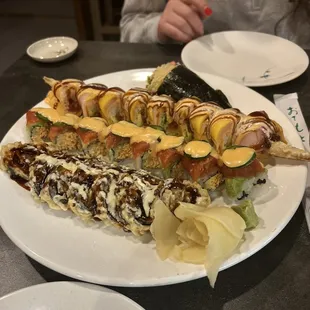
(96, 190)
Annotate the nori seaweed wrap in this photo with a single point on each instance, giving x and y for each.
(179, 82)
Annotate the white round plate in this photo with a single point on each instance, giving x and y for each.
(65, 296)
(249, 58)
(52, 49)
(109, 256)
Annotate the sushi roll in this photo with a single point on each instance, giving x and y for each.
(110, 104)
(62, 96)
(135, 102)
(182, 111)
(142, 147)
(133, 195)
(241, 170)
(257, 131)
(117, 140)
(168, 152)
(87, 97)
(177, 81)
(88, 129)
(38, 123)
(49, 181)
(160, 112)
(222, 128)
(95, 190)
(175, 192)
(199, 161)
(265, 135)
(200, 118)
(62, 133)
(16, 159)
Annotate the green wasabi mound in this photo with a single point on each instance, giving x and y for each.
(247, 212)
(234, 187)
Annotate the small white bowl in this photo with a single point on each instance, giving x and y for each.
(52, 49)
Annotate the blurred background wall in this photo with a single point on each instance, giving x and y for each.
(24, 21)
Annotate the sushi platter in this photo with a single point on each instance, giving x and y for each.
(170, 178)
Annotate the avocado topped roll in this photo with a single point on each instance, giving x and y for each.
(117, 140)
(241, 170)
(179, 82)
(135, 101)
(182, 111)
(62, 96)
(88, 130)
(110, 104)
(62, 133)
(168, 153)
(87, 97)
(200, 163)
(38, 123)
(160, 111)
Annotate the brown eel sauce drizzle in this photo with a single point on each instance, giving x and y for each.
(20, 181)
(21, 158)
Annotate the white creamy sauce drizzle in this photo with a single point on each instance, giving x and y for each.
(81, 189)
(113, 195)
(147, 195)
(52, 161)
(111, 199)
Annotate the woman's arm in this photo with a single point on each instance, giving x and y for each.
(140, 18)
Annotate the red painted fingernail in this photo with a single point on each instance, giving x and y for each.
(208, 11)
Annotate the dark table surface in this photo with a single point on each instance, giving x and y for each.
(277, 277)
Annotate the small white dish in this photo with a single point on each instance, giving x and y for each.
(52, 49)
(67, 295)
(249, 58)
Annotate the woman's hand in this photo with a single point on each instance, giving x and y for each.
(182, 20)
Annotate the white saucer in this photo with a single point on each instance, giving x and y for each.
(65, 296)
(52, 49)
(249, 58)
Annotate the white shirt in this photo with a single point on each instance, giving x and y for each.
(140, 19)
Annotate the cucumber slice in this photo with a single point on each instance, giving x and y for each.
(247, 212)
(237, 157)
(137, 113)
(38, 134)
(30, 127)
(83, 130)
(171, 171)
(111, 155)
(149, 161)
(185, 131)
(42, 118)
(198, 149)
(156, 127)
(163, 121)
(61, 124)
